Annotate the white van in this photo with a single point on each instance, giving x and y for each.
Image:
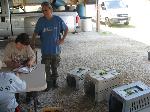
(114, 12)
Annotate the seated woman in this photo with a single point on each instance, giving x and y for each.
(10, 84)
(19, 52)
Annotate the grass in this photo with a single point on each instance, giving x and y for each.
(105, 33)
(122, 26)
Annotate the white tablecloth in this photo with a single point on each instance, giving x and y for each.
(36, 80)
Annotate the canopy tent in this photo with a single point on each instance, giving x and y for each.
(30, 2)
(26, 2)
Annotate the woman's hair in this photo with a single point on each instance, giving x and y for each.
(47, 4)
(23, 38)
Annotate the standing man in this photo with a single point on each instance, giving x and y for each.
(50, 27)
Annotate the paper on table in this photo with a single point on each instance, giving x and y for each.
(25, 69)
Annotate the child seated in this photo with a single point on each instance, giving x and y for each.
(10, 84)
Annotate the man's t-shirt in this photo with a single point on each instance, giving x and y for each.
(49, 31)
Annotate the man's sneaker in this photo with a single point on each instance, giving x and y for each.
(55, 85)
(46, 90)
(37, 102)
(49, 86)
(29, 102)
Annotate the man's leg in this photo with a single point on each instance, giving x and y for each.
(48, 76)
(54, 77)
(54, 65)
(17, 98)
(28, 97)
(46, 59)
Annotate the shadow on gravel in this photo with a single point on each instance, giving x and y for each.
(67, 90)
(122, 26)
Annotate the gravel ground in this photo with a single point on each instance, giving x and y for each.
(95, 51)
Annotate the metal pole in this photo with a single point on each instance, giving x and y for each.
(98, 16)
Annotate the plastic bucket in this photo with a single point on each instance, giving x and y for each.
(58, 3)
(81, 10)
(61, 8)
(72, 8)
(86, 24)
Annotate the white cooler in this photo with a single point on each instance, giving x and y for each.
(75, 78)
(134, 97)
(100, 83)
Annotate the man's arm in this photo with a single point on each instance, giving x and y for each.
(33, 40)
(65, 33)
(61, 41)
(17, 84)
(31, 56)
(31, 51)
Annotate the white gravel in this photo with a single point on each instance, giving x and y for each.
(95, 51)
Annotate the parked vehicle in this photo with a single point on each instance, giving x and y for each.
(17, 18)
(114, 12)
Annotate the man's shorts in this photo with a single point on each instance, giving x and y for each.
(51, 60)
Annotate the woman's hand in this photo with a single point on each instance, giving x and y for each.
(16, 64)
(30, 63)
